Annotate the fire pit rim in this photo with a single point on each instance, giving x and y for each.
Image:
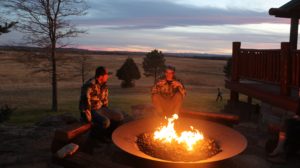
(240, 140)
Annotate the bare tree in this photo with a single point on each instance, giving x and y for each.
(82, 66)
(39, 61)
(46, 25)
(78, 65)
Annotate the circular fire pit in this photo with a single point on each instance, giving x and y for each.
(231, 142)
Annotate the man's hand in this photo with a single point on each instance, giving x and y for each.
(297, 117)
(176, 84)
(161, 82)
(88, 115)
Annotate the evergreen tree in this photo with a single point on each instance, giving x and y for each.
(154, 64)
(227, 68)
(128, 73)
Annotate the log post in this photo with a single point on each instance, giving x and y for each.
(293, 45)
(294, 33)
(298, 111)
(297, 58)
(249, 100)
(236, 47)
(285, 74)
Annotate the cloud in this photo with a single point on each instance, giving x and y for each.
(176, 26)
(197, 39)
(155, 14)
(256, 5)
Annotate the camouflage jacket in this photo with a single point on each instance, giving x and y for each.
(93, 95)
(165, 88)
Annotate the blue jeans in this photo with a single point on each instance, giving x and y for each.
(105, 118)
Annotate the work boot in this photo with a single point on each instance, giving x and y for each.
(100, 135)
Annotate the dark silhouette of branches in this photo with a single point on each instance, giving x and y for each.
(80, 66)
(45, 24)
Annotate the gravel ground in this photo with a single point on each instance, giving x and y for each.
(30, 147)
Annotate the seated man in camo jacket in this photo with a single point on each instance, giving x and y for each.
(94, 104)
(168, 93)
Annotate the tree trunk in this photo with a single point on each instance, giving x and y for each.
(82, 72)
(155, 73)
(54, 77)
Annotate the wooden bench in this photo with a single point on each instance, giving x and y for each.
(83, 158)
(147, 110)
(72, 133)
(226, 119)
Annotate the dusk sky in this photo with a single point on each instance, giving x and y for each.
(181, 26)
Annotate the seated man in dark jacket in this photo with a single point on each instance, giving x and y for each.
(94, 104)
(168, 94)
(288, 141)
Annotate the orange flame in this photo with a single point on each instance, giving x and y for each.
(168, 134)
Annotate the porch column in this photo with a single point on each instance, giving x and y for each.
(286, 69)
(249, 100)
(236, 47)
(298, 111)
(294, 33)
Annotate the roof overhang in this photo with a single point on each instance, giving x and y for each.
(288, 10)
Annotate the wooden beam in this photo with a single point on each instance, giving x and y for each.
(234, 96)
(68, 133)
(249, 100)
(294, 33)
(280, 101)
(283, 13)
(298, 111)
(285, 74)
(226, 119)
(236, 48)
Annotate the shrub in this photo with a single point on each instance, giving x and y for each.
(128, 73)
(5, 112)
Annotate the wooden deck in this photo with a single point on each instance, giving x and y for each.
(272, 76)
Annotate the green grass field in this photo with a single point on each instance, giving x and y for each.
(31, 93)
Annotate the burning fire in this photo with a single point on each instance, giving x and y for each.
(168, 134)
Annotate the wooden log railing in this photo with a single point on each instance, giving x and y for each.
(275, 66)
(260, 65)
(296, 68)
